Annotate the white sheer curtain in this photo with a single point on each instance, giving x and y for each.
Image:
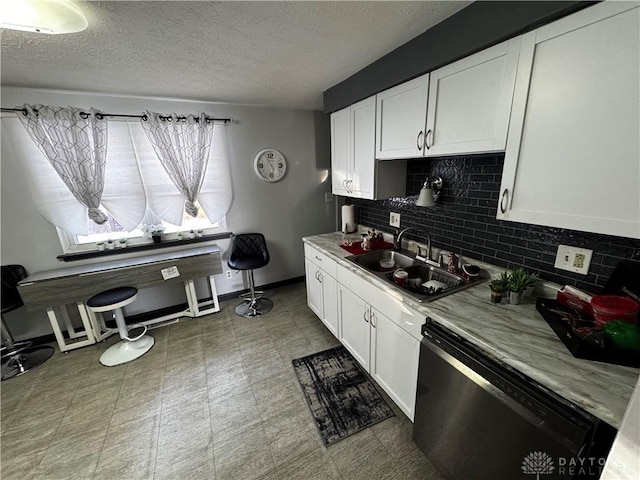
(194, 155)
(75, 143)
(69, 170)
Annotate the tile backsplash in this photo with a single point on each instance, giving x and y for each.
(464, 221)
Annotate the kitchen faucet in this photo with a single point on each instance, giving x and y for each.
(398, 243)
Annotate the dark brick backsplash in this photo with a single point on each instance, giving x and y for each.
(464, 221)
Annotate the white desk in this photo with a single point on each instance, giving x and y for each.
(59, 288)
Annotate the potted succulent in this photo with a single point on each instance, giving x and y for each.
(519, 280)
(199, 232)
(192, 233)
(110, 244)
(100, 246)
(180, 235)
(499, 287)
(154, 232)
(122, 242)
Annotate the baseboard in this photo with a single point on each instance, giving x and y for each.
(141, 317)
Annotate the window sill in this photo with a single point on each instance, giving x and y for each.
(70, 257)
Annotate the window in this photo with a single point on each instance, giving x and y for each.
(129, 154)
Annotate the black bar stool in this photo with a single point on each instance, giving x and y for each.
(248, 252)
(129, 348)
(17, 357)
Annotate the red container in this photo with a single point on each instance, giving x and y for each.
(614, 307)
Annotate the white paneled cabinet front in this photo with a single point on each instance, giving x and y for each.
(371, 328)
(400, 119)
(321, 287)
(352, 144)
(470, 102)
(573, 157)
(353, 315)
(394, 360)
(321, 295)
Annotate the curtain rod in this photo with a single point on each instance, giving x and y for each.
(100, 116)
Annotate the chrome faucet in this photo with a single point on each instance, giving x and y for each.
(398, 243)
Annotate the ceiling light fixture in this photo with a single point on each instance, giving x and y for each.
(52, 17)
(431, 185)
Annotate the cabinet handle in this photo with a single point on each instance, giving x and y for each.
(318, 258)
(373, 320)
(344, 184)
(320, 277)
(349, 182)
(364, 315)
(419, 141)
(426, 139)
(504, 199)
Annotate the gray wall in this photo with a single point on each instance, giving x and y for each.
(284, 212)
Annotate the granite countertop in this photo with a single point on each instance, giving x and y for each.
(518, 336)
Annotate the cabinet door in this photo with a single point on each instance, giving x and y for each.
(572, 153)
(363, 130)
(401, 113)
(329, 302)
(353, 314)
(394, 361)
(314, 289)
(340, 152)
(470, 102)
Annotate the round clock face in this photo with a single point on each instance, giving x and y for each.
(270, 165)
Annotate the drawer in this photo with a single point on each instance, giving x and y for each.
(321, 260)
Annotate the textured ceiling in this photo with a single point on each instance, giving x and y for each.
(257, 53)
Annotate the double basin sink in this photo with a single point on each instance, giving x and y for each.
(425, 282)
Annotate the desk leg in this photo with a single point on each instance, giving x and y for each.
(67, 322)
(100, 330)
(62, 342)
(192, 298)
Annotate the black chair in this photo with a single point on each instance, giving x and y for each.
(248, 252)
(17, 357)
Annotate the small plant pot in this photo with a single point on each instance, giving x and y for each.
(496, 297)
(100, 246)
(111, 246)
(122, 244)
(514, 298)
(156, 238)
(199, 234)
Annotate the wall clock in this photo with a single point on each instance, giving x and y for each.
(270, 165)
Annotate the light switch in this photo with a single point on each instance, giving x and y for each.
(394, 219)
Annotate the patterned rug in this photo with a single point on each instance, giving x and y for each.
(341, 398)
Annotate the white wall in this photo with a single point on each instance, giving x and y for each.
(284, 212)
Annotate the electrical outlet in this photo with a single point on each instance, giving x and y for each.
(573, 259)
(229, 274)
(328, 197)
(394, 219)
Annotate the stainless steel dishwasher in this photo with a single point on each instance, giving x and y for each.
(479, 419)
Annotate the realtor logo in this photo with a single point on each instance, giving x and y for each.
(537, 463)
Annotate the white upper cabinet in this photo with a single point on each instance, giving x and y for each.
(573, 158)
(400, 118)
(363, 128)
(470, 102)
(354, 169)
(340, 151)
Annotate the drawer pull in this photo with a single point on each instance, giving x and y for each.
(419, 141)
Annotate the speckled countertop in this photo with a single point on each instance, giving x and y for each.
(518, 336)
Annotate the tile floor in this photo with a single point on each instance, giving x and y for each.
(215, 398)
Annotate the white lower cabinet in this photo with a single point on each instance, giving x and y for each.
(394, 361)
(383, 348)
(381, 332)
(321, 287)
(353, 313)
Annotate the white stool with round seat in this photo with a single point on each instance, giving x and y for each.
(129, 348)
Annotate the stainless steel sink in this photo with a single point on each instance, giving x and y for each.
(419, 273)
